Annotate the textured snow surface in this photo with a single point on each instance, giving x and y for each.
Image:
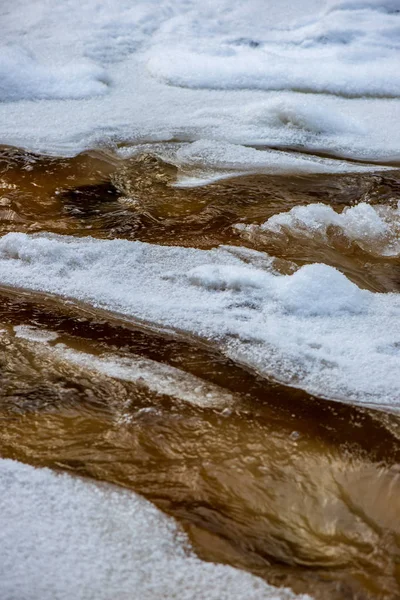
(314, 329)
(320, 76)
(348, 48)
(23, 77)
(376, 229)
(63, 538)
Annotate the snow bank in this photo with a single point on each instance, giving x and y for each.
(376, 229)
(314, 329)
(350, 49)
(22, 77)
(78, 75)
(63, 538)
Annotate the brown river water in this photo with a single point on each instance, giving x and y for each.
(302, 491)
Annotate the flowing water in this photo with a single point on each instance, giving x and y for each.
(302, 491)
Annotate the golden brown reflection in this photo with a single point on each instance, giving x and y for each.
(300, 491)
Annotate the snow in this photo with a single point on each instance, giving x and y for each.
(22, 77)
(376, 229)
(314, 76)
(349, 49)
(63, 537)
(314, 329)
(239, 86)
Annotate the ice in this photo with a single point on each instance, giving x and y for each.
(34, 334)
(314, 329)
(376, 229)
(206, 161)
(157, 377)
(81, 75)
(63, 537)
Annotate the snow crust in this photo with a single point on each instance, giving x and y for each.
(376, 229)
(314, 329)
(79, 75)
(63, 537)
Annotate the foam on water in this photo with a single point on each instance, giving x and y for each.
(314, 329)
(63, 538)
(114, 72)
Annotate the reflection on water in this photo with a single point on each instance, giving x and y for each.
(304, 492)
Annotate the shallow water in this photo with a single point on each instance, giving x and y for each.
(303, 491)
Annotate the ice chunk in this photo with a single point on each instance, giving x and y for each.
(376, 229)
(206, 161)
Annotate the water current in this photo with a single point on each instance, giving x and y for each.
(303, 491)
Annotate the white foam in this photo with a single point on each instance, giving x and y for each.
(63, 537)
(376, 229)
(313, 329)
(79, 75)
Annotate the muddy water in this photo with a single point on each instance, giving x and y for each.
(301, 491)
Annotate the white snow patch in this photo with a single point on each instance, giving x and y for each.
(349, 49)
(22, 77)
(313, 329)
(75, 75)
(63, 537)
